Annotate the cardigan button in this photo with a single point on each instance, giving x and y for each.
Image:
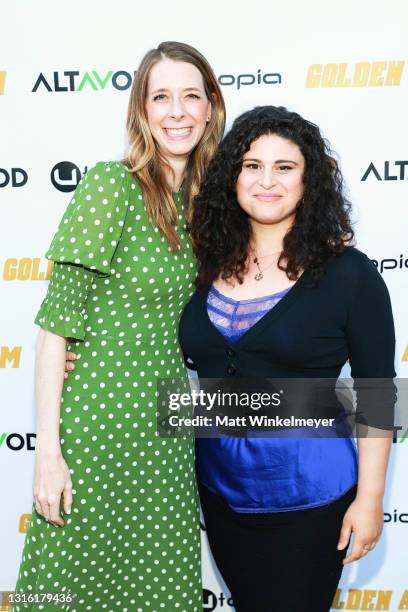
(231, 369)
(230, 352)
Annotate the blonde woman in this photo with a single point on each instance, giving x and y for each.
(115, 524)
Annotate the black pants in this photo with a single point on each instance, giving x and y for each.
(277, 562)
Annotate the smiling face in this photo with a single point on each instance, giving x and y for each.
(177, 107)
(270, 184)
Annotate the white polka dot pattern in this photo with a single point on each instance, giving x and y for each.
(131, 542)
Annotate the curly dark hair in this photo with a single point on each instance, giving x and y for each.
(220, 229)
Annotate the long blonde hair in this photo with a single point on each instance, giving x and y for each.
(145, 160)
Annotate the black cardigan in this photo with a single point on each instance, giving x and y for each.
(310, 333)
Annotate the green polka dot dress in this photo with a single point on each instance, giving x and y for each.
(132, 540)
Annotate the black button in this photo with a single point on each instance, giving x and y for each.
(230, 352)
(231, 369)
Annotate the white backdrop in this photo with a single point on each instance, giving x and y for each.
(342, 65)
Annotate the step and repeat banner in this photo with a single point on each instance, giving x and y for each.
(65, 77)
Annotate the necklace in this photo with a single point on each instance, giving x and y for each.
(259, 275)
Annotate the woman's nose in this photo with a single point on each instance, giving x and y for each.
(177, 110)
(267, 178)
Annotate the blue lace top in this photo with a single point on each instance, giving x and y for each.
(270, 474)
(233, 318)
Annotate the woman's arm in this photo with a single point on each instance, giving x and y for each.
(371, 341)
(52, 477)
(104, 187)
(364, 516)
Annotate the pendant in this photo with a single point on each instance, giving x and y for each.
(258, 276)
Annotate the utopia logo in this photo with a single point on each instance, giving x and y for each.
(27, 268)
(65, 176)
(10, 356)
(361, 74)
(73, 80)
(391, 263)
(2, 81)
(395, 517)
(246, 79)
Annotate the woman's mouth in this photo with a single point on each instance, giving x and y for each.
(267, 197)
(178, 133)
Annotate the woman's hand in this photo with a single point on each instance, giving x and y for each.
(69, 363)
(51, 480)
(365, 519)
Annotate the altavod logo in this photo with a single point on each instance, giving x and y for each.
(27, 268)
(361, 74)
(248, 78)
(17, 441)
(393, 171)
(13, 177)
(65, 176)
(211, 601)
(73, 80)
(10, 357)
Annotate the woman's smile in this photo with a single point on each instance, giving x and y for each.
(267, 197)
(179, 133)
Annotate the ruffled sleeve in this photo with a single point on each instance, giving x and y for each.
(63, 308)
(84, 246)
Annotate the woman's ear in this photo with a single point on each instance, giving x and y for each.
(211, 101)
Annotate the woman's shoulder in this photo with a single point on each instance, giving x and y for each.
(94, 218)
(107, 182)
(353, 267)
(106, 172)
(352, 258)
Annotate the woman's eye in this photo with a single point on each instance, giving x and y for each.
(193, 96)
(284, 168)
(159, 97)
(252, 166)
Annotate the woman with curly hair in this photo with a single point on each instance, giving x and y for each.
(281, 293)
